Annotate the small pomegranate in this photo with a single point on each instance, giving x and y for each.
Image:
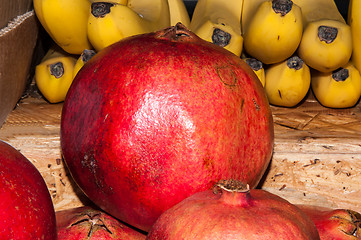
(87, 223)
(334, 224)
(233, 211)
(156, 117)
(26, 208)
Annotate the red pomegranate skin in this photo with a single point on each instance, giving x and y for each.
(157, 117)
(26, 208)
(334, 224)
(88, 223)
(251, 215)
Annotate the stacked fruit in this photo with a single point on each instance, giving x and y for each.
(170, 134)
(298, 44)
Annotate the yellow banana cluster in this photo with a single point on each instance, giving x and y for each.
(76, 25)
(268, 34)
(324, 43)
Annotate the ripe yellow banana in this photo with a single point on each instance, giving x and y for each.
(337, 89)
(354, 20)
(248, 11)
(110, 22)
(219, 22)
(326, 42)
(66, 22)
(83, 59)
(54, 74)
(258, 69)
(274, 32)
(122, 2)
(178, 13)
(287, 82)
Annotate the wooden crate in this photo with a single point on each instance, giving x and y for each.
(316, 160)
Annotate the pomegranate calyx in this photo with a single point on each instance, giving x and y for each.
(231, 185)
(94, 221)
(177, 33)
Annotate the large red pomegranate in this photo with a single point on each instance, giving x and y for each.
(233, 212)
(334, 224)
(88, 223)
(26, 208)
(157, 117)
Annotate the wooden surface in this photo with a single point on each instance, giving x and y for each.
(316, 160)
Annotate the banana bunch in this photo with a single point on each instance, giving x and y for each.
(76, 25)
(287, 82)
(338, 89)
(326, 43)
(275, 30)
(219, 22)
(323, 41)
(54, 74)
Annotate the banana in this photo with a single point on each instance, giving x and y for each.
(354, 20)
(178, 13)
(219, 22)
(122, 2)
(248, 11)
(274, 32)
(326, 43)
(338, 89)
(83, 59)
(287, 82)
(66, 22)
(110, 22)
(257, 67)
(54, 74)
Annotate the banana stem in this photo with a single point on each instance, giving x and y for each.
(254, 63)
(340, 75)
(87, 55)
(220, 37)
(100, 9)
(295, 62)
(327, 34)
(57, 69)
(282, 6)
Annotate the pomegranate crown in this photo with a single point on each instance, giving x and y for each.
(231, 185)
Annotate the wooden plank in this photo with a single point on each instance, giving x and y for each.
(316, 160)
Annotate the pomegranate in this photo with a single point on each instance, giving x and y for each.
(156, 117)
(233, 211)
(334, 224)
(88, 223)
(26, 208)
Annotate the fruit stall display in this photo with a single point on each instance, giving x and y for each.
(133, 113)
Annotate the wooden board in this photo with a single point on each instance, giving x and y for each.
(316, 160)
